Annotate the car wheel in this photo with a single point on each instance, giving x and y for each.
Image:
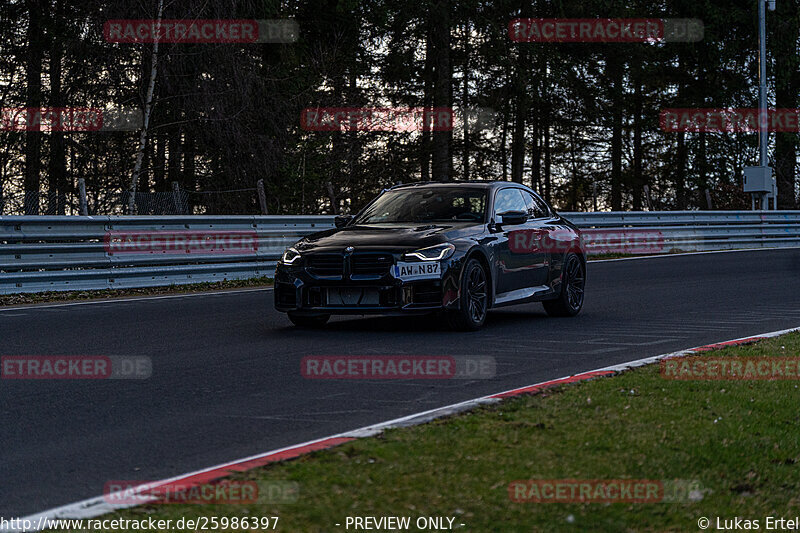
(474, 303)
(573, 281)
(308, 321)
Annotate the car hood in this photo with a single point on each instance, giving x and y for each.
(394, 237)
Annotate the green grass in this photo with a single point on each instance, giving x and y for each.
(62, 296)
(739, 440)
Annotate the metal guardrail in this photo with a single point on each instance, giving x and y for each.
(691, 231)
(57, 253)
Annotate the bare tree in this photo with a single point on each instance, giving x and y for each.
(148, 102)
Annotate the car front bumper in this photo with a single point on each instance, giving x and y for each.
(297, 290)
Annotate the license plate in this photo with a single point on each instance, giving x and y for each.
(412, 271)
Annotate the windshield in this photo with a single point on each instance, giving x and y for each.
(439, 204)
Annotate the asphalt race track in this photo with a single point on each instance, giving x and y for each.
(226, 377)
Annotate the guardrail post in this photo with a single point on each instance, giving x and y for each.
(83, 204)
(262, 197)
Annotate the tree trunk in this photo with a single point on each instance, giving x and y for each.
(574, 188)
(544, 118)
(518, 142)
(57, 169)
(638, 177)
(520, 117)
(614, 72)
(702, 166)
(787, 87)
(148, 101)
(536, 152)
(682, 153)
(443, 91)
(160, 163)
(548, 193)
(427, 99)
(33, 101)
(504, 143)
(174, 171)
(337, 156)
(189, 177)
(680, 172)
(785, 162)
(465, 103)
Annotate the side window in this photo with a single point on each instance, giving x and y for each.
(536, 207)
(510, 199)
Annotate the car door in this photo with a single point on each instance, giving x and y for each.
(520, 261)
(544, 235)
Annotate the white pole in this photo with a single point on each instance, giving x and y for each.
(763, 134)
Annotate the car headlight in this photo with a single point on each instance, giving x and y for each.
(290, 256)
(432, 253)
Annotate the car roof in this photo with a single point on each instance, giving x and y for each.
(478, 184)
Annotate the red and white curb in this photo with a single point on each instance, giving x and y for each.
(100, 505)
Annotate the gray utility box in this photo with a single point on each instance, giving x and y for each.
(757, 179)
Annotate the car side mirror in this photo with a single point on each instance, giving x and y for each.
(513, 218)
(341, 221)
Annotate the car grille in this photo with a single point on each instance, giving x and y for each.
(371, 264)
(325, 265)
(363, 265)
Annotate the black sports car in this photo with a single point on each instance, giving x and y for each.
(457, 248)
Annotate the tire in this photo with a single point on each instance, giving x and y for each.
(573, 282)
(308, 321)
(471, 314)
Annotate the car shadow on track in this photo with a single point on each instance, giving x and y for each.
(420, 323)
